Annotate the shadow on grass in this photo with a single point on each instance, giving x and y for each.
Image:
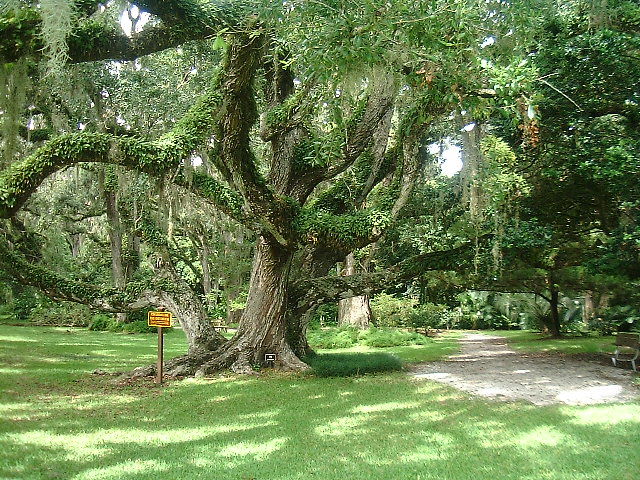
(352, 364)
(293, 428)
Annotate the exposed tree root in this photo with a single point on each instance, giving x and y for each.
(233, 356)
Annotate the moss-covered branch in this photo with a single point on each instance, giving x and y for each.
(340, 232)
(92, 38)
(155, 158)
(107, 299)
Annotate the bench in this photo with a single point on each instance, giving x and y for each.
(219, 325)
(627, 344)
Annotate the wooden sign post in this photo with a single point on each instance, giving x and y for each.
(159, 319)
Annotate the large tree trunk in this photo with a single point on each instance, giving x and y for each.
(262, 328)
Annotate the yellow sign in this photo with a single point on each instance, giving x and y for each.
(159, 319)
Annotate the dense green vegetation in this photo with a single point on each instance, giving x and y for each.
(60, 422)
(277, 166)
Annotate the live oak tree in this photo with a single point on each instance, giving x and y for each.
(312, 123)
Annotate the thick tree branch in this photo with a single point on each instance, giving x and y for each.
(155, 158)
(306, 293)
(92, 39)
(57, 287)
(235, 158)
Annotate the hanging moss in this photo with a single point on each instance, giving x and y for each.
(13, 85)
(57, 17)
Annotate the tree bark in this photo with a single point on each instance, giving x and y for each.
(262, 328)
(353, 311)
(114, 227)
(554, 325)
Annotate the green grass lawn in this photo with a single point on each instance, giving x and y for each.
(57, 421)
(527, 341)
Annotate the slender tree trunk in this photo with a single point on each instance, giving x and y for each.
(554, 326)
(354, 311)
(115, 239)
(233, 254)
(75, 241)
(203, 254)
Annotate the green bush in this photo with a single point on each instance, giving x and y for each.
(139, 327)
(390, 337)
(390, 311)
(346, 337)
(31, 307)
(352, 364)
(326, 315)
(60, 315)
(428, 315)
(102, 322)
(335, 337)
(616, 318)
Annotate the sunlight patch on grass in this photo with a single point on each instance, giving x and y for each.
(11, 371)
(81, 446)
(76, 446)
(605, 415)
(384, 407)
(341, 426)
(16, 338)
(256, 450)
(488, 433)
(545, 436)
(17, 411)
(122, 470)
(436, 447)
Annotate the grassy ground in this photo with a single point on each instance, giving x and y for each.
(435, 348)
(526, 341)
(59, 422)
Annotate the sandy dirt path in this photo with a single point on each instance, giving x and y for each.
(486, 366)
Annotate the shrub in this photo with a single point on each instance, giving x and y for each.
(351, 364)
(337, 337)
(61, 315)
(102, 322)
(390, 311)
(429, 315)
(138, 327)
(345, 337)
(326, 315)
(616, 318)
(106, 323)
(390, 337)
